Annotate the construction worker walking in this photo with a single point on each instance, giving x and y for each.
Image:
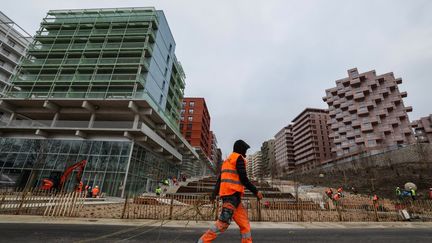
(230, 186)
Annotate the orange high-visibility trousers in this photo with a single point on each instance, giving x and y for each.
(240, 217)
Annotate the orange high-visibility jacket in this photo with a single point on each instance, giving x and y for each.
(230, 180)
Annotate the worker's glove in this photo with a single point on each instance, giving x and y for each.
(259, 195)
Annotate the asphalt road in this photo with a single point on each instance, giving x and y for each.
(108, 233)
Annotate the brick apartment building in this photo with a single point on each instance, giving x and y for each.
(195, 124)
(284, 151)
(367, 113)
(423, 129)
(311, 139)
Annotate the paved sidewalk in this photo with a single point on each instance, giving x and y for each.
(206, 224)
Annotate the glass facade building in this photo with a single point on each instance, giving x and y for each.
(102, 85)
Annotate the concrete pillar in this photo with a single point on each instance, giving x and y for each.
(92, 119)
(136, 121)
(55, 119)
(11, 118)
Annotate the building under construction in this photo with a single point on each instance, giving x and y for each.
(102, 85)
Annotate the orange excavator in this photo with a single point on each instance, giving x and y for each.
(55, 183)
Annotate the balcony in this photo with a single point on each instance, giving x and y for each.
(377, 97)
(356, 124)
(384, 91)
(91, 46)
(345, 145)
(374, 120)
(408, 109)
(355, 81)
(385, 129)
(350, 134)
(362, 111)
(359, 140)
(349, 94)
(407, 131)
(404, 94)
(382, 113)
(347, 120)
(398, 138)
(398, 81)
(396, 99)
(334, 126)
(359, 95)
(400, 114)
(391, 85)
(366, 127)
(393, 121)
(352, 108)
(389, 106)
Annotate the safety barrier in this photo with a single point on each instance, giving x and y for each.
(200, 207)
(192, 207)
(41, 202)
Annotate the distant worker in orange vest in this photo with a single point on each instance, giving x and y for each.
(230, 187)
(337, 196)
(375, 199)
(95, 191)
(329, 193)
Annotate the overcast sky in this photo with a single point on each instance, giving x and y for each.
(260, 63)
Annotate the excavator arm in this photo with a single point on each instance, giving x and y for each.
(80, 165)
(49, 183)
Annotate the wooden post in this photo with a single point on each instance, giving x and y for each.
(24, 194)
(216, 209)
(124, 207)
(301, 210)
(375, 205)
(338, 210)
(171, 207)
(259, 210)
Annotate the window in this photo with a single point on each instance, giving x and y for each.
(181, 126)
(160, 99)
(11, 43)
(2, 62)
(183, 104)
(182, 118)
(170, 48)
(189, 126)
(6, 52)
(166, 71)
(192, 104)
(182, 111)
(191, 111)
(168, 59)
(163, 85)
(188, 135)
(190, 118)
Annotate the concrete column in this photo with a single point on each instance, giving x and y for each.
(92, 119)
(11, 118)
(136, 121)
(55, 119)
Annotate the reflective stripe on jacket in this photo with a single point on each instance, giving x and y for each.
(230, 180)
